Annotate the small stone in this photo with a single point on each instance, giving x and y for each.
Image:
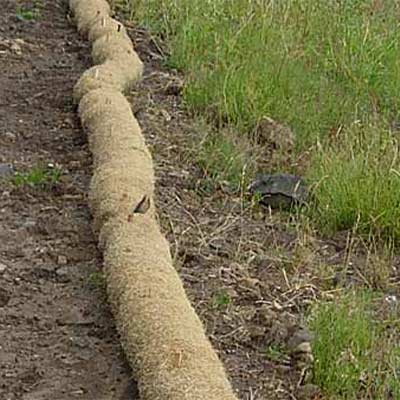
(16, 48)
(303, 348)
(63, 274)
(6, 170)
(62, 260)
(3, 267)
(10, 136)
(166, 115)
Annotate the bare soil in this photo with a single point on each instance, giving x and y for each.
(57, 338)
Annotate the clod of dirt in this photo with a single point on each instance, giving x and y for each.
(9, 136)
(299, 346)
(267, 316)
(279, 190)
(308, 391)
(4, 297)
(298, 338)
(62, 260)
(6, 170)
(272, 133)
(256, 331)
(174, 87)
(63, 274)
(11, 45)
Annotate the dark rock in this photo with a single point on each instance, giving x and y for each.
(6, 170)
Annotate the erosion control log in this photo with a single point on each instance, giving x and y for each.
(162, 336)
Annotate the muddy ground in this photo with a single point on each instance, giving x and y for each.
(57, 339)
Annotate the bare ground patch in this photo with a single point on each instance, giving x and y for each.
(56, 332)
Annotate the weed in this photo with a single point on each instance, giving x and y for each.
(27, 14)
(357, 183)
(37, 177)
(275, 352)
(97, 279)
(355, 355)
(222, 159)
(221, 300)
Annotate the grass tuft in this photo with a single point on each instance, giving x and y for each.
(356, 356)
(37, 177)
(357, 184)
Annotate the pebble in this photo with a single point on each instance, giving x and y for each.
(62, 260)
(303, 348)
(6, 170)
(3, 267)
(9, 135)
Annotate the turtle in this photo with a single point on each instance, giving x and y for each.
(279, 191)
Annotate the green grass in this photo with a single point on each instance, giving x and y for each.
(28, 14)
(221, 300)
(356, 356)
(323, 68)
(37, 177)
(275, 352)
(314, 65)
(357, 184)
(97, 279)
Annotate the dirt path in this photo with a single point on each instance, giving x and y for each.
(57, 339)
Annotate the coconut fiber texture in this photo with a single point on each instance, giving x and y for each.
(162, 336)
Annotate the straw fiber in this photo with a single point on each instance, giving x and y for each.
(162, 336)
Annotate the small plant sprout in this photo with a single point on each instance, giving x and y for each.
(37, 176)
(26, 14)
(221, 299)
(274, 352)
(97, 279)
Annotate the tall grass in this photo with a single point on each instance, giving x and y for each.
(319, 66)
(357, 183)
(313, 64)
(355, 355)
